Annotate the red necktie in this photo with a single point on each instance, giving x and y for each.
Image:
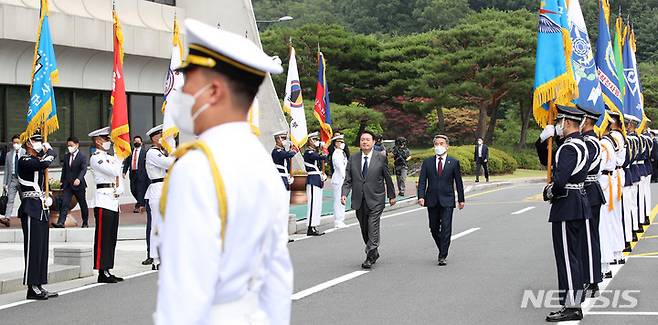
(135, 154)
(439, 168)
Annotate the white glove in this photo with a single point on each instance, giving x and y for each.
(322, 144)
(47, 146)
(548, 132)
(48, 158)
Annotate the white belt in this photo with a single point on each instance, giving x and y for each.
(32, 194)
(578, 186)
(245, 310)
(592, 179)
(283, 172)
(316, 170)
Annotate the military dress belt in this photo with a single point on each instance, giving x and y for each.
(157, 180)
(31, 194)
(282, 170)
(607, 172)
(107, 185)
(592, 179)
(315, 170)
(577, 186)
(639, 162)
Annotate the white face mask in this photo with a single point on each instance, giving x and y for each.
(341, 146)
(559, 129)
(182, 104)
(17, 146)
(37, 146)
(316, 143)
(480, 142)
(72, 149)
(440, 150)
(107, 145)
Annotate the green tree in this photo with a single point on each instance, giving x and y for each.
(442, 14)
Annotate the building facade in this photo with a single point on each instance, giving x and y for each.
(82, 34)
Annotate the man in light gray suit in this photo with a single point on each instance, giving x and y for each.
(368, 178)
(11, 176)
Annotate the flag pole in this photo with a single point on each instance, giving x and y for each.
(549, 164)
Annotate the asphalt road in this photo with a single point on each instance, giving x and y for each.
(498, 256)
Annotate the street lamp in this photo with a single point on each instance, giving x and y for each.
(280, 20)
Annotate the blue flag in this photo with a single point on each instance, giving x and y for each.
(554, 78)
(42, 110)
(584, 67)
(633, 108)
(605, 61)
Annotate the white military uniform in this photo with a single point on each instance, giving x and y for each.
(339, 161)
(228, 265)
(620, 176)
(107, 170)
(610, 229)
(157, 163)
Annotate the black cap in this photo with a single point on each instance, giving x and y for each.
(590, 113)
(37, 137)
(569, 112)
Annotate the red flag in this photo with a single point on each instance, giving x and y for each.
(120, 130)
(321, 109)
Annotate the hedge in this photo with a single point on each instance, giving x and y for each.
(500, 162)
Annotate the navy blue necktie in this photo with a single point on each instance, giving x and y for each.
(364, 171)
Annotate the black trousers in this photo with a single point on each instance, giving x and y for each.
(80, 195)
(148, 229)
(35, 250)
(105, 238)
(479, 163)
(440, 219)
(137, 189)
(567, 245)
(592, 248)
(369, 220)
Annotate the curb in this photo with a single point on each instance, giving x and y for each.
(12, 282)
(75, 235)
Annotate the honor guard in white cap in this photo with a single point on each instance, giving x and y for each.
(109, 187)
(647, 174)
(339, 163)
(630, 192)
(313, 158)
(157, 163)
(282, 156)
(224, 253)
(33, 213)
(570, 209)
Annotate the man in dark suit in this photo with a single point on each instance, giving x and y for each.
(368, 178)
(139, 179)
(481, 158)
(436, 190)
(73, 183)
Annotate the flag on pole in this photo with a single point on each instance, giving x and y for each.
(633, 108)
(584, 67)
(293, 104)
(173, 83)
(554, 78)
(120, 131)
(617, 50)
(605, 64)
(321, 110)
(42, 109)
(254, 116)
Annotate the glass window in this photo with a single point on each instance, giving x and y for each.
(86, 114)
(141, 114)
(107, 108)
(158, 109)
(3, 117)
(17, 103)
(64, 107)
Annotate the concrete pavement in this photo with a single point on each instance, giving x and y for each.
(504, 249)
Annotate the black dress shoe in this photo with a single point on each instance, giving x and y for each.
(147, 261)
(33, 293)
(613, 262)
(48, 293)
(641, 229)
(155, 267)
(627, 249)
(367, 264)
(290, 240)
(622, 261)
(442, 261)
(57, 225)
(5, 222)
(592, 289)
(312, 231)
(118, 279)
(84, 225)
(634, 236)
(607, 275)
(566, 314)
(105, 278)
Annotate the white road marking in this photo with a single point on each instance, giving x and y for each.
(328, 284)
(64, 292)
(350, 276)
(624, 313)
(523, 210)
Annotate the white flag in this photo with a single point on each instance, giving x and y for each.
(293, 104)
(174, 82)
